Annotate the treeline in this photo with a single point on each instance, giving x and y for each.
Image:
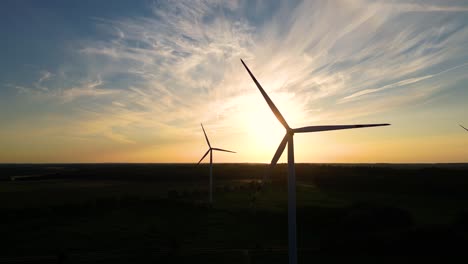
(400, 179)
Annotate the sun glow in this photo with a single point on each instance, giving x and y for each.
(263, 128)
(264, 132)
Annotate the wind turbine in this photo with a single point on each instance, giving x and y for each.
(210, 150)
(288, 138)
(464, 127)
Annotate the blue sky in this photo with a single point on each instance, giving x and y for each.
(130, 81)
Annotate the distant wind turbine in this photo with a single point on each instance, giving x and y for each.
(464, 127)
(288, 138)
(210, 150)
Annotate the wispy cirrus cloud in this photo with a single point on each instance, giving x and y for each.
(399, 83)
(388, 86)
(427, 6)
(45, 75)
(45, 87)
(319, 61)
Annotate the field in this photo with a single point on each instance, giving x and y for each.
(158, 213)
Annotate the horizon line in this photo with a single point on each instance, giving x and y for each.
(188, 163)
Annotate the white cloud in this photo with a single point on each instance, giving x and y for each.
(398, 84)
(45, 75)
(427, 7)
(60, 94)
(393, 85)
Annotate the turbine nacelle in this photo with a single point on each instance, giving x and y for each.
(210, 149)
(214, 149)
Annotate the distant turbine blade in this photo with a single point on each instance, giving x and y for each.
(225, 150)
(326, 128)
(279, 151)
(206, 137)
(464, 127)
(268, 100)
(204, 156)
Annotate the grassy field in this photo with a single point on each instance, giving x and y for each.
(145, 213)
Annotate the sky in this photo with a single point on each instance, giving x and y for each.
(131, 81)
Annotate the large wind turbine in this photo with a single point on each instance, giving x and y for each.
(288, 138)
(464, 127)
(210, 150)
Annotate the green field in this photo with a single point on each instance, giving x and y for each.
(145, 213)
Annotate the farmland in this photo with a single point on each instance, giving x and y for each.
(145, 213)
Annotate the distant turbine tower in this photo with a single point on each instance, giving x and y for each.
(464, 128)
(210, 150)
(288, 138)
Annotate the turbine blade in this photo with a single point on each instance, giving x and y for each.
(204, 156)
(267, 99)
(225, 150)
(464, 128)
(279, 151)
(326, 128)
(206, 137)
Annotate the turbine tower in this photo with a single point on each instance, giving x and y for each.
(464, 127)
(210, 150)
(288, 139)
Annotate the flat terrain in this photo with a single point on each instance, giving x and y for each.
(150, 213)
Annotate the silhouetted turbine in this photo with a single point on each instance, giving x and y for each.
(210, 150)
(288, 138)
(464, 127)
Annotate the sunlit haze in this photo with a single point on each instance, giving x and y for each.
(131, 81)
